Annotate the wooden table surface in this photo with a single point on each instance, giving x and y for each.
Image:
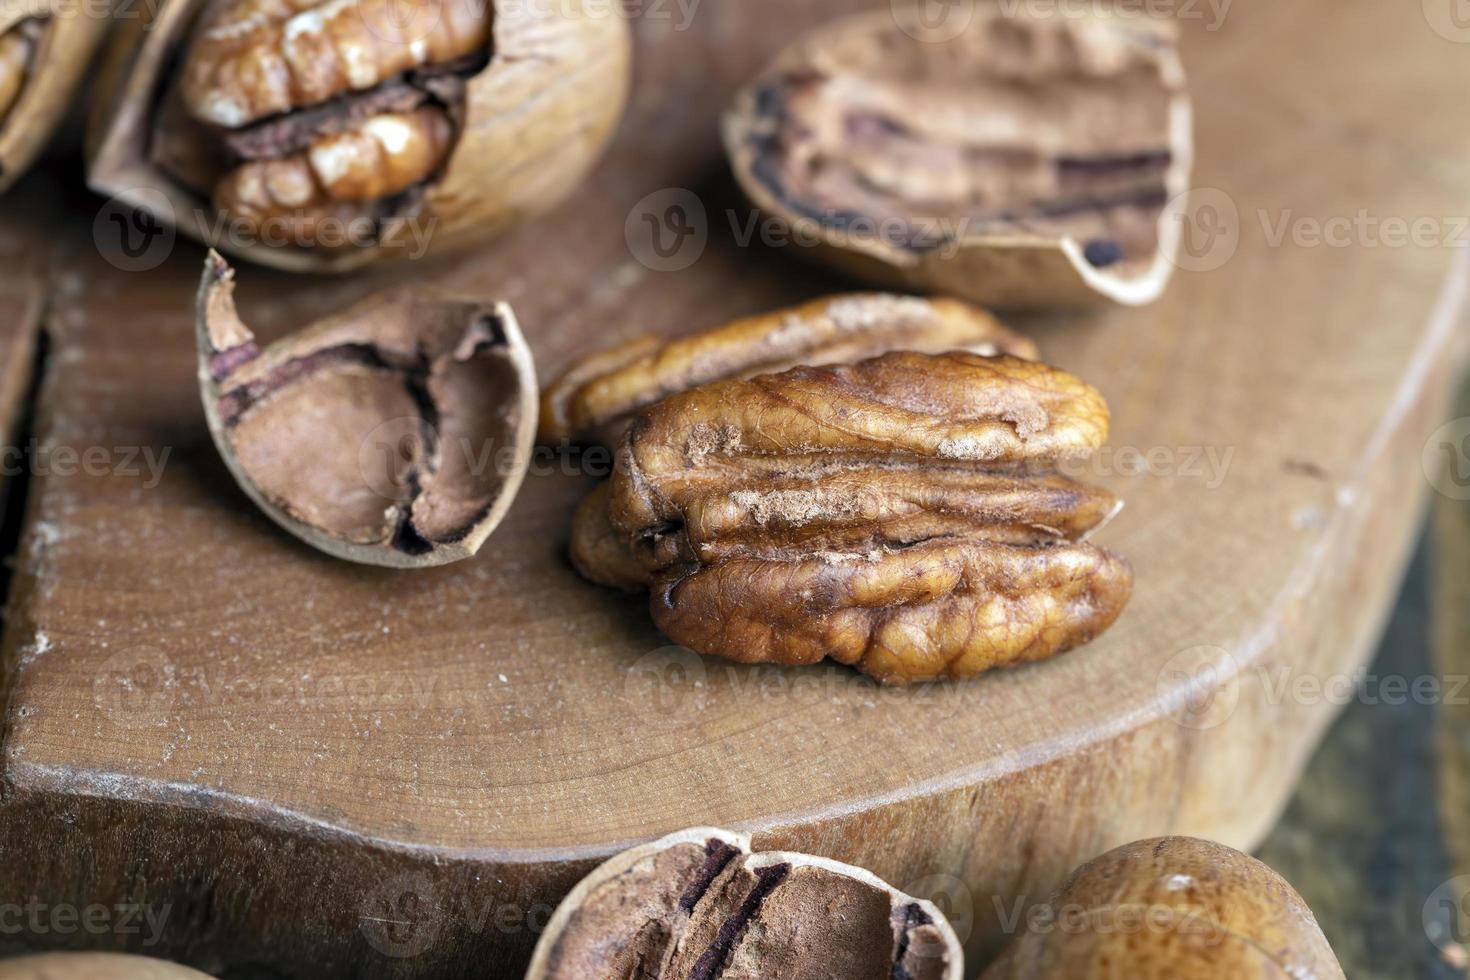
(1377, 838)
(380, 774)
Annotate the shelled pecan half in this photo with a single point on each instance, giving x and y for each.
(1027, 160)
(322, 134)
(594, 399)
(904, 515)
(698, 904)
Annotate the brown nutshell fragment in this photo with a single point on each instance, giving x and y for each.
(905, 515)
(396, 433)
(17, 47)
(1026, 161)
(698, 905)
(1173, 908)
(46, 47)
(593, 400)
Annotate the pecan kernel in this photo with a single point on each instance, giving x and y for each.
(595, 398)
(902, 514)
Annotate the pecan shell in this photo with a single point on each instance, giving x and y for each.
(903, 515)
(1210, 910)
(46, 47)
(395, 433)
(1025, 161)
(699, 904)
(594, 399)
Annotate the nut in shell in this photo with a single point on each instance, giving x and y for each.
(1174, 908)
(1027, 161)
(45, 49)
(396, 433)
(700, 905)
(595, 398)
(905, 515)
(324, 135)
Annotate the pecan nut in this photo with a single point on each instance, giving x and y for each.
(699, 904)
(596, 397)
(905, 515)
(46, 47)
(333, 132)
(1026, 161)
(1211, 911)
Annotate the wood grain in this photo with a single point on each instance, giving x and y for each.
(21, 298)
(329, 770)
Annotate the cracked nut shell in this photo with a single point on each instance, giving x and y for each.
(45, 47)
(904, 515)
(699, 905)
(1027, 161)
(396, 433)
(323, 135)
(594, 399)
(1175, 908)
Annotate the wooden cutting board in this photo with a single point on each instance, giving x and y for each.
(321, 769)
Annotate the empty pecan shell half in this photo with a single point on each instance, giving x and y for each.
(1026, 161)
(395, 433)
(594, 399)
(698, 904)
(321, 134)
(45, 49)
(904, 515)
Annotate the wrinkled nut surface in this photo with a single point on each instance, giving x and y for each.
(45, 48)
(903, 515)
(698, 905)
(396, 433)
(327, 133)
(1174, 908)
(1027, 161)
(595, 398)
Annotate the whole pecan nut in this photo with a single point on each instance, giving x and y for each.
(904, 514)
(594, 399)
